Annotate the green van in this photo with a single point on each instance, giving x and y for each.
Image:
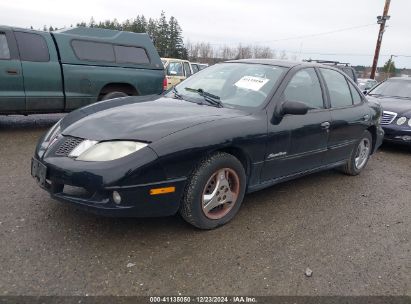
(42, 72)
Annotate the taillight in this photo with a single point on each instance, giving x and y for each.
(164, 84)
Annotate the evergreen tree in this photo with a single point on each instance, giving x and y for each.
(92, 22)
(151, 30)
(389, 67)
(162, 38)
(175, 39)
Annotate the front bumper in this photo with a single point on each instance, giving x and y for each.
(397, 134)
(86, 191)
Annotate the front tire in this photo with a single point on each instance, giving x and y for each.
(214, 192)
(359, 156)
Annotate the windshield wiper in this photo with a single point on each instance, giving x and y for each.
(210, 98)
(371, 94)
(390, 96)
(177, 94)
(400, 97)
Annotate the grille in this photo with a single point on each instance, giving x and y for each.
(388, 117)
(68, 145)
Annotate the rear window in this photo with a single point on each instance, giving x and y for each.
(356, 97)
(32, 47)
(99, 51)
(349, 72)
(93, 51)
(131, 54)
(4, 47)
(338, 89)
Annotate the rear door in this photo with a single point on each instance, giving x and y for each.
(349, 113)
(12, 97)
(41, 72)
(299, 142)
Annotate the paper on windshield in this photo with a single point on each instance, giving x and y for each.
(251, 83)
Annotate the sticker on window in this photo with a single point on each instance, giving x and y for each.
(251, 83)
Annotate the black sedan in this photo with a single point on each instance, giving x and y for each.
(228, 130)
(394, 95)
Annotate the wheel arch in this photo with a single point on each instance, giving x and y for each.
(373, 131)
(120, 87)
(241, 155)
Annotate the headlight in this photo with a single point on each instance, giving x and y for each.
(52, 134)
(109, 150)
(409, 122)
(401, 120)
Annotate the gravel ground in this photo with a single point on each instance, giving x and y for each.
(352, 232)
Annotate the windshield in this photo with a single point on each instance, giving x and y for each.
(236, 84)
(393, 87)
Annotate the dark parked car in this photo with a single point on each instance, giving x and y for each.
(234, 128)
(42, 72)
(394, 95)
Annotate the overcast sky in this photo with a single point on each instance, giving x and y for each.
(254, 21)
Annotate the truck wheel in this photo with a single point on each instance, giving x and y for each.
(214, 192)
(359, 156)
(113, 95)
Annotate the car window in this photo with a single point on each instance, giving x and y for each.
(93, 51)
(175, 69)
(305, 87)
(356, 97)
(4, 47)
(237, 84)
(32, 47)
(348, 71)
(131, 54)
(187, 69)
(337, 87)
(195, 68)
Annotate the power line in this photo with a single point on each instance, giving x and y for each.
(318, 34)
(305, 36)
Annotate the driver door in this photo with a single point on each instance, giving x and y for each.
(298, 143)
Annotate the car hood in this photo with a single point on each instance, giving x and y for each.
(400, 106)
(147, 119)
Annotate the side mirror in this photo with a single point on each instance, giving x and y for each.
(294, 108)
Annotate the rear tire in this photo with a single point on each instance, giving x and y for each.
(359, 156)
(113, 95)
(214, 192)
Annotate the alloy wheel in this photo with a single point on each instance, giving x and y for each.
(220, 193)
(363, 152)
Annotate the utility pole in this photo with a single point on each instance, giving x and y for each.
(381, 21)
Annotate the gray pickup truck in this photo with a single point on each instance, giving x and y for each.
(42, 72)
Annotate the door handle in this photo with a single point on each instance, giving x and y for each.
(12, 72)
(366, 117)
(325, 125)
